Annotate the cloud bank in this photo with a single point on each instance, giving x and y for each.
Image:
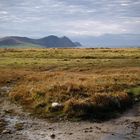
(37, 18)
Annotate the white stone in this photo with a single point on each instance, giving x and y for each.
(55, 104)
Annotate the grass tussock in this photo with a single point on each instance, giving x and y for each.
(134, 93)
(80, 95)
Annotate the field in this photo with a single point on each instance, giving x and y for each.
(85, 83)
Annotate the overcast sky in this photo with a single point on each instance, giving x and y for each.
(72, 18)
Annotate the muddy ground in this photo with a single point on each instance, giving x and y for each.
(18, 125)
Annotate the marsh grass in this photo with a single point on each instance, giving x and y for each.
(88, 83)
(80, 94)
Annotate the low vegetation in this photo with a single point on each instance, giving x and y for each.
(85, 83)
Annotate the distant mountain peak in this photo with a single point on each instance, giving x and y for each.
(78, 44)
(64, 37)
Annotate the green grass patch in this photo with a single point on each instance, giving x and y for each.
(135, 92)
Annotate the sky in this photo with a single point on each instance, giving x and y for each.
(72, 18)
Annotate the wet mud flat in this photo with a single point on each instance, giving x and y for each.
(15, 124)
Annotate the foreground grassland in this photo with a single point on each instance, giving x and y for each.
(86, 83)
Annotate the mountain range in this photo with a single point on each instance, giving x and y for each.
(110, 40)
(106, 40)
(49, 42)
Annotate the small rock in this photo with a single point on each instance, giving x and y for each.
(85, 131)
(98, 128)
(8, 111)
(51, 128)
(52, 136)
(112, 134)
(19, 126)
(6, 131)
(55, 104)
(136, 99)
